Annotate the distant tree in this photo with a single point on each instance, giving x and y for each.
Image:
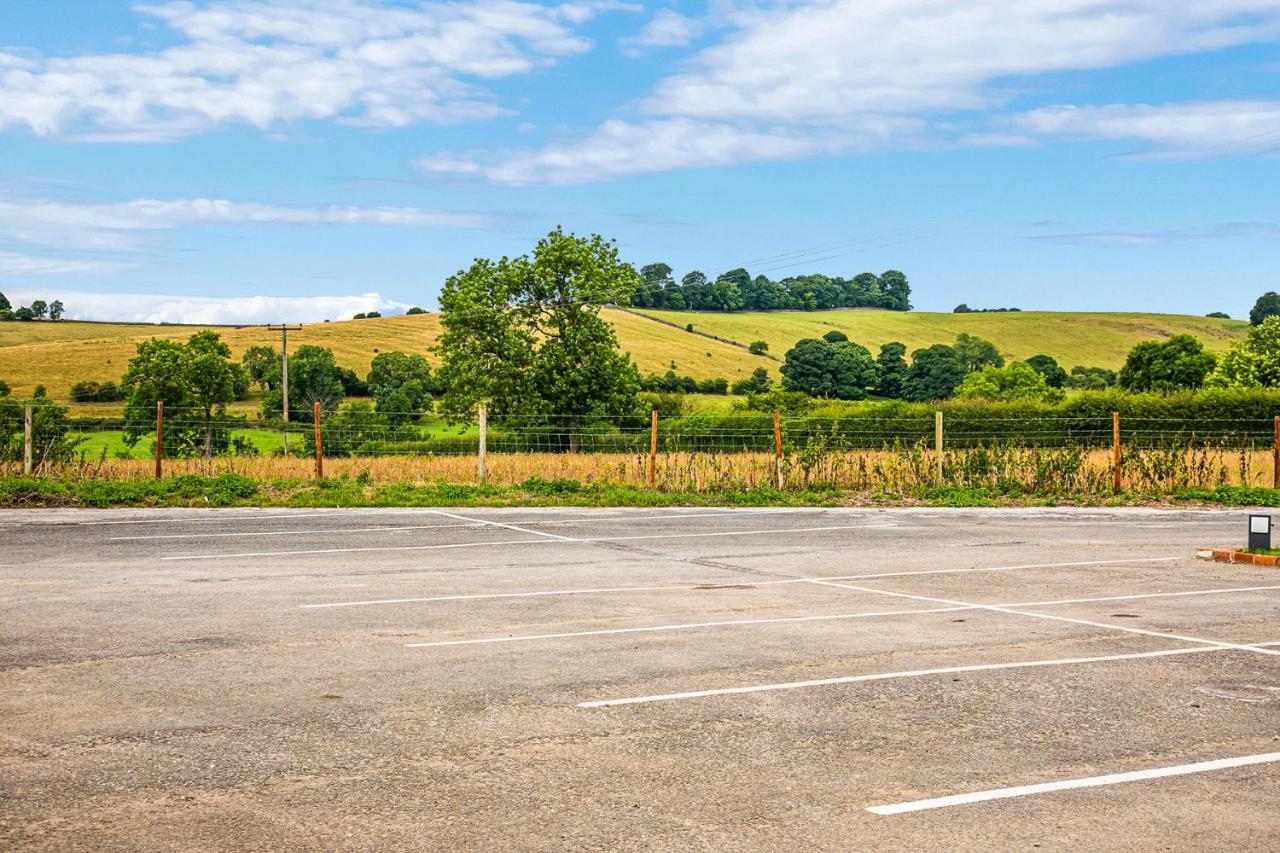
(314, 377)
(1017, 381)
(1179, 363)
(525, 335)
(55, 310)
(5, 305)
(1268, 305)
(401, 385)
(1091, 378)
(5, 391)
(891, 367)
(758, 347)
(359, 316)
(39, 308)
(975, 353)
(24, 314)
(5, 314)
(1253, 362)
(262, 364)
(415, 310)
(213, 379)
(51, 437)
(895, 291)
(757, 383)
(352, 384)
(819, 368)
(962, 309)
(835, 337)
(935, 374)
(1218, 315)
(1054, 375)
(694, 288)
(373, 315)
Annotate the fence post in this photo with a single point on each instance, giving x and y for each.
(28, 461)
(319, 451)
(1275, 456)
(937, 443)
(482, 444)
(653, 447)
(159, 438)
(1115, 452)
(777, 446)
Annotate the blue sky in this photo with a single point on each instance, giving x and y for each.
(252, 161)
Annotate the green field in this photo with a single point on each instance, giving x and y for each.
(58, 355)
(1090, 339)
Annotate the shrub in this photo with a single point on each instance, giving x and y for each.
(758, 347)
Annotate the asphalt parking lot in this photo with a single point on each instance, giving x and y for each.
(671, 679)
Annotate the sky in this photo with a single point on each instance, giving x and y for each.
(250, 161)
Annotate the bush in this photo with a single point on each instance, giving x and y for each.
(415, 310)
(758, 347)
(95, 392)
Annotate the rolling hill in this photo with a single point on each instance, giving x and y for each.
(60, 354)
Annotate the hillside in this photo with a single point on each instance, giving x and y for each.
(1091, 339)
(57, 355)
(60, 354)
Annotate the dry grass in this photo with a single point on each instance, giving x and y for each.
(1004, 469)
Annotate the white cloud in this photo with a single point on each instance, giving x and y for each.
(667, 28)
(1195, 129)
(810, 70)
(18, 262)
(115, 226)
(244, 310)
(1129, 239)
(362, 62)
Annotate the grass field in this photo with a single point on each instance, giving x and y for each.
(58, 355)
(1091, 339)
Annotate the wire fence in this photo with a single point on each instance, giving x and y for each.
(1036, 453)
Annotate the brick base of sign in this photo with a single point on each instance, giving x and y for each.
(1220, 555)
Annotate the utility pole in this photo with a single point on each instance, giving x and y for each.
(284, 329)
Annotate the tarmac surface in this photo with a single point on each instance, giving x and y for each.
(605, 679)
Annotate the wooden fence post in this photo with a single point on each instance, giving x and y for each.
(653, 447)
(319, 450)
(937, 443)
(1275, 456)
(159, 439)
(1115, 452)
(28, 460)
(777, 446)
(482, 447)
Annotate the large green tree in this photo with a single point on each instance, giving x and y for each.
(525, 335)
(821, 368)
(1268, 305)
(1047, 366)
(262, 364)
(401, 385)
(314, 377)
(1253, 362)
(935, 373)
(976, 353)
(1017, 381)
(1177, 364)
(891, 366)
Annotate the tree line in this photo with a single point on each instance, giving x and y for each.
(37, 310)
(737, 290)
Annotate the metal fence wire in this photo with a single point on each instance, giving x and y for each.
(1041, 453)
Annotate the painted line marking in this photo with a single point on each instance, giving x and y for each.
(884, 676)
(1070, 784)
(1002, 609)
(694, 585)
(561, 540)
(511, 527)
(826, 617)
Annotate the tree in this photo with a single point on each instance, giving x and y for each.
(1017, 381)
(694, 288)
(525, 335)
(359, 316)
(55, 310)
(1253, 362)
(39, 308)
(1218, 315)
(25, 314)
(1268, 305)
(314, 377)
(757, 383)
(758, 347)
(891, 366)
(262, 365)
(1178, 364)
(401, 385)
(415, 310)
(212, 379)
(975, 353)
(50, 430)
(1054, 375)
(5, 305)
(820, 368)
(935, 374)
(5, 390)
(835, 337)
(1091, 378)
(895, 291)
(962, 309)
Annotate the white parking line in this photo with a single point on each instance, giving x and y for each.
(1069, 784)
(695, 585)
(514, 527)
(1004, 609)
(837, 616)
(912, 673)
(561, 541)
